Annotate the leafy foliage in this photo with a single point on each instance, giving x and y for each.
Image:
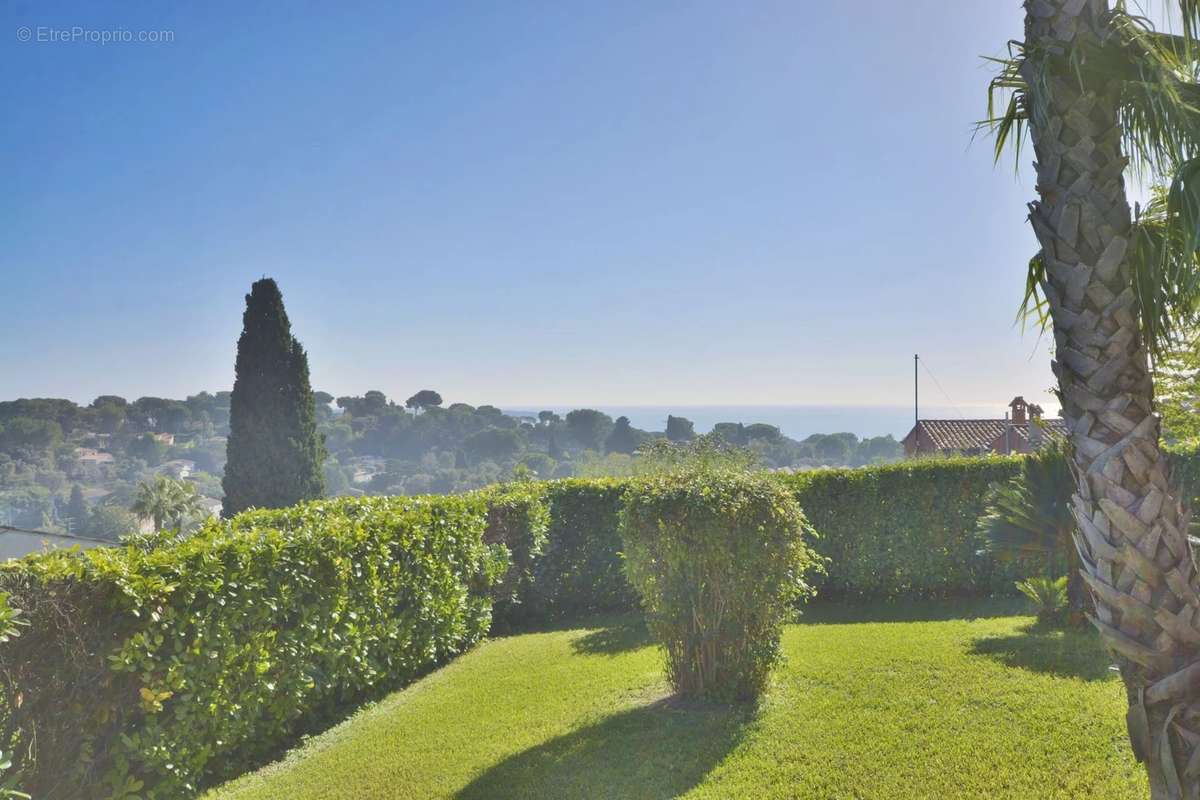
(166, 502)
(1028, 517)
(518, 517)
(580, 570)
(152, 673)
(1157, 79)
(719, 560)
(905, 529)
(1048, 595)
(274, 451)
(1177, 391)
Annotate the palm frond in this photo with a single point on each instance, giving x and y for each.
(1028, 518)
(1158, 75)
(1160, 98)
(1006, 88)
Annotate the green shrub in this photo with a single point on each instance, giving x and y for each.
(1048, 595)
(153, 673)
(906, 529)
(518, 516)
(719, 560)
(580, 571)
(10, 628)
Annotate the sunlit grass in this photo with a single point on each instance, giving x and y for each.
(874, 702)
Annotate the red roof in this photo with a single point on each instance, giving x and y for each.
(977, 435)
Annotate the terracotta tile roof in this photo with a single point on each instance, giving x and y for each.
(968, 435)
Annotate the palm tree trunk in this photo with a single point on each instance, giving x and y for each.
(1131, 521)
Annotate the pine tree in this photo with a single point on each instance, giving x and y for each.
(622, 439)
(554, 450)
(274, 452)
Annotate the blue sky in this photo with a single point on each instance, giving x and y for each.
(524, 204)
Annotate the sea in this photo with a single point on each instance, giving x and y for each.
(796, 422)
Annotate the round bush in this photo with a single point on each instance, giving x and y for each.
(720, 561)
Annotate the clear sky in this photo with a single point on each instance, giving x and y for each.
(534, 204)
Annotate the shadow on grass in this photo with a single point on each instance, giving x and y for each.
(653, 752)
(618, 636)
(1071, 652)
(842, 611)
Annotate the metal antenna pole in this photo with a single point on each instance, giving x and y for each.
(916, 404)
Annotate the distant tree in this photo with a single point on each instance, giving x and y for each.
(110, 400)
(110, 522)
(274, 453)
(554, 449)
(493, 444)
(77, 510)
(548, 417)
(374, 402)
(159, 414)
(541, 464)
(680, 429)
(589, 427)
(426, 398)
(762, 431)
(166, 501)
(835, 448)
(109, 417)
(623, 438)
(371, 404)
(322, 398)
(879, 448)
(732, 432)
(147, 448)
(336, 482)
(30, 433)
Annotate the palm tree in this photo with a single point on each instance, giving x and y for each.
(1027, 519)
(166, 500)
(1099, 91)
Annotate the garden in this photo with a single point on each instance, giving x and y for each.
(705, 630)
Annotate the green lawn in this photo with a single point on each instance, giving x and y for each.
(872, 703)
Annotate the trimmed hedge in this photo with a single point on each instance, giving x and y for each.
(907, 528)
(580, 571)
(518, 518)
(155, 673)
(152, 674)
(720, 561)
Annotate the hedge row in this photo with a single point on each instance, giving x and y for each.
(155, 673)
(152, 674)
(907, 528)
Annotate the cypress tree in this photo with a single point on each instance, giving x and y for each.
(77, 509)
(274, 454)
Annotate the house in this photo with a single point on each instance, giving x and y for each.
(211, 506)
(167, 439)
(1023, 430)
(365, 468)
(91, 457)
(179, 468)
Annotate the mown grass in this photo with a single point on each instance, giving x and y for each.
(912, 701)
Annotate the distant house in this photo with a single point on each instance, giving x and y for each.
(211, 506)
(179, 468)
(167, 439)
(1023, 431)
(365, 468)
(91, 457)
